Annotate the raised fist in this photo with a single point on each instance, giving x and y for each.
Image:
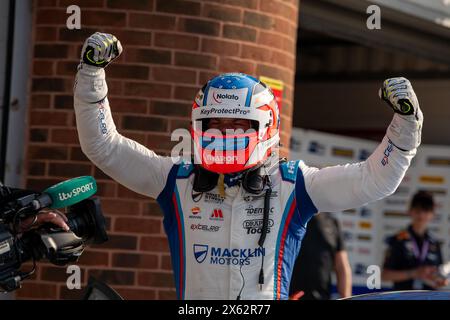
(100, 49)
(399, 94)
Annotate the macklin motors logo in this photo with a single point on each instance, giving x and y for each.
(226, 256)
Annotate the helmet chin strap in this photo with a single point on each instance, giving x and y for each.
(253, 180)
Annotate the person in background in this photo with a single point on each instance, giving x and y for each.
(413, 255)
(322, 253)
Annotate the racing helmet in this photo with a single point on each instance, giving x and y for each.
(235, 96)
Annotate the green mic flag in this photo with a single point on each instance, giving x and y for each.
(67, 193)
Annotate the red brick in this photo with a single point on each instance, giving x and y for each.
(65, 34)
(145, 5)
(63, 102)
(149, 56)
(40, 184)
(120, 207)
(46, 118)
(274, 72)
(170, 109)
(166, 262)
(94, 258)
(179, 124)
(125, 193)
(51, 85)
(36, 168)
(194, 60)
(228, 64)
(149, 90)
(137, 225)
(151, 21)
(239, 33)
(40, 101)
(198, 26)
(144, 123)
(69, 170)
(135, 260)
(155, 279)
(67, 136)
(136, 294)
(284, 27)
(113, 276)
(270, 39)
(52, 51)
(34, 290)
(250, 4)
(174, 75)
(279, 8)
(39, 135)
(185, 93)
(77, 155)
(111, 19)
(70, 294)
(222, 13)
(43, 68)
(178, 6)
(105, 189)
(128, 105)
(83, 3)
(176, 41)
(120, 71)
(47, 3)
(57, 274)
(47, 153)
(46, 34)
(100, 175)
(133, 135)
(67, 68)
(117, 241)
(220, 47)
(154, 244)
(167, 295)
(162, 142)
(205, 76)
(263, 21)
(152, 209)
(51, 16)
(132, 37)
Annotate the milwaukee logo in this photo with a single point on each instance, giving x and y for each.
(217, 215)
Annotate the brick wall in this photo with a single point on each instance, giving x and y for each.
(171, 49)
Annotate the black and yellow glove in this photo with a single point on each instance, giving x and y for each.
(100, 49)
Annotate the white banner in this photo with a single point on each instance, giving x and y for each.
(365, 229)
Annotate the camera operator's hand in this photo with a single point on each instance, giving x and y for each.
(100, 49)
(58, 220)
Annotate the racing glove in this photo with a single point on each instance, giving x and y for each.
(100, 49)
(405, 129)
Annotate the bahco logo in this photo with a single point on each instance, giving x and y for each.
(218, 97)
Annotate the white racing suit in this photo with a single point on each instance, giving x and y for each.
(211, 237)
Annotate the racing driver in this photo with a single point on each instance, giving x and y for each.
(235, 222)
